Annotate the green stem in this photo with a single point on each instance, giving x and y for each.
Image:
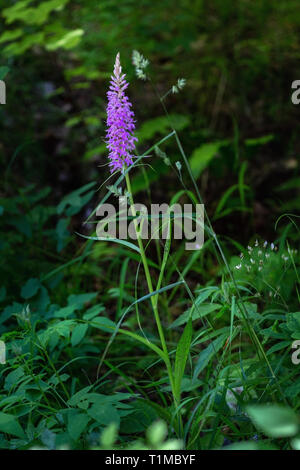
(151, 290)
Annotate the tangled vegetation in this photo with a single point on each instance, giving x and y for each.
(142, 344)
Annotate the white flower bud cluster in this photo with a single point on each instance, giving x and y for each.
(258, 255)
(179, 85)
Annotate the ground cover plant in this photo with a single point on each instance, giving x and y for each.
(110, 343)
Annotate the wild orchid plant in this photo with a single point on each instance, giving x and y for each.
(121, 143)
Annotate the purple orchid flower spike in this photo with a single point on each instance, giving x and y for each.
(120, 140)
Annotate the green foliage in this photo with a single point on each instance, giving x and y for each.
(90, 357)
(202, 156)
(275, 421)
(43, 31)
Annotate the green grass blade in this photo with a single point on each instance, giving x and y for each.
(182, 353)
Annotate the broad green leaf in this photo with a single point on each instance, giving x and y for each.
(105, 414)
(293, 324)
(103, 323)
(161, 125)
(77, 423)
(29, 14)
(93, 311)
(30, 288)
(10, 36)
(68, 41)
(109, 436)
(9, 424)
(202, 156)
(65, 312)
(61, 328)
(79, 300)
(13, 378)
(79, 396)
(9, 311)
(142, 417)
(296, 443)
(78, 333)
(157, 433)
(274, 420)
(48, 438)
(28, 41)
